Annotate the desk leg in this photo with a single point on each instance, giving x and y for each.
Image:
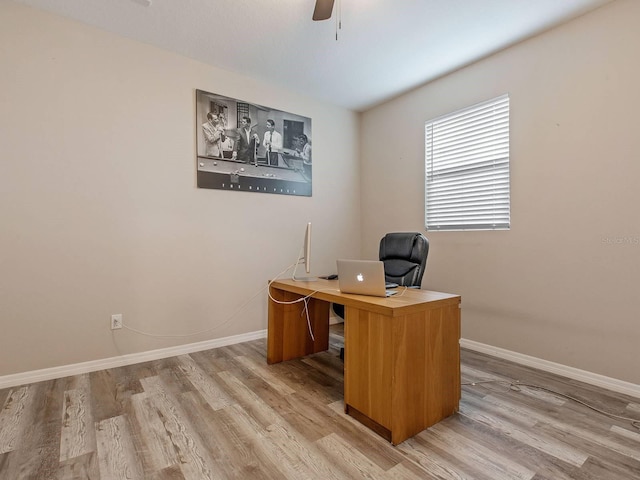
(288, 334)
(368, 369)
(402, 374)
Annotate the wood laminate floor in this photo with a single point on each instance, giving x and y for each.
(226, 414)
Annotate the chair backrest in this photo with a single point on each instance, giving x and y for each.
(404, 255)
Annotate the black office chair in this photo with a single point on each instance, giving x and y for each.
(404, 255)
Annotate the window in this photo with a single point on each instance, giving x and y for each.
(467, 168)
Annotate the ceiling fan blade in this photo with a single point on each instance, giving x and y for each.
(323, 9)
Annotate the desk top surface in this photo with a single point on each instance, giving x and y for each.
(405, 301)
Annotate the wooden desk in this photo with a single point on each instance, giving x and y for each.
(402, 353)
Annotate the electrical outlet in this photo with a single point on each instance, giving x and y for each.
(116, 321)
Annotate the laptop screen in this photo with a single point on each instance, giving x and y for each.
(363, 277)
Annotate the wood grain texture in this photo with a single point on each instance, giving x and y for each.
(226, 414)
(116, 453)
(304, 325)
(402, 363)
(13, 417)
(78, 433)
(369, 364)
(402, 373)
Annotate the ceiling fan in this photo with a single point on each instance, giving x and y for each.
(323, 9)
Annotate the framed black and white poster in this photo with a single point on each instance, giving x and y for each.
(245, 147)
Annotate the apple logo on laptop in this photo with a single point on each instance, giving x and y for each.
(360, 277)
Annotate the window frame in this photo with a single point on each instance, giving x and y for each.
(467, 168)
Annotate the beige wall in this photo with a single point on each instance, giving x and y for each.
(562, 284)
(100, 214)
(99, 210)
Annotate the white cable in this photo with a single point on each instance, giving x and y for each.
(306, 311)
(298, 262)
(304, 299)
(242, 306)
(516, 387)
(239, 309)
(401, 293)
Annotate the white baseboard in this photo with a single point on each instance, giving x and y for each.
(544, 365)
(8, 381)
(129, 359)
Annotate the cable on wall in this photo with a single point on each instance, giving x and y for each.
(305, 311)
(225, 322)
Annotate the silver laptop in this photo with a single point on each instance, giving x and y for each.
(364, 277)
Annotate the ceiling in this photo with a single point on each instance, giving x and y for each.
(384, 48)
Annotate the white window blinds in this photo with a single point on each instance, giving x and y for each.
(467, 168)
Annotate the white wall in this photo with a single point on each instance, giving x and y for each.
(99, 208)
(562, 284)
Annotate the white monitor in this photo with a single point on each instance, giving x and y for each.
(307, 248)
(305, 255)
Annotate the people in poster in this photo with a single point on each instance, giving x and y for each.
(227, 147)
(213, 132)
(250, 147)
(272, 142)
(303, 148)
(247, 142)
